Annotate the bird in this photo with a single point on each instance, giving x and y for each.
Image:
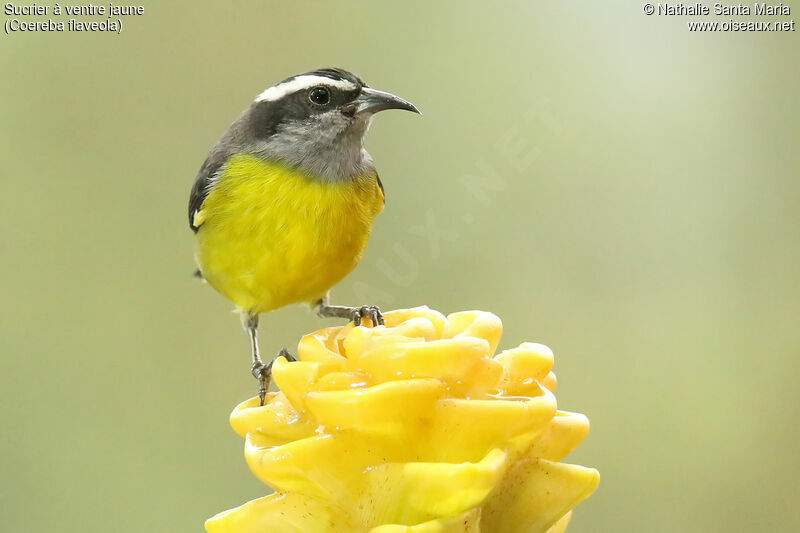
(283, 206)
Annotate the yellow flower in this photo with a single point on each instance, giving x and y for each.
(411, 428)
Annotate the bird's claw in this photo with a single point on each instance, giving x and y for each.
(285, 353)
(263, 373)
(368, 311)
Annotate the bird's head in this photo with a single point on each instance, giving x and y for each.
(317, 121)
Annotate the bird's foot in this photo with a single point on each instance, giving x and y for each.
(263, 373)
(356, 314)
(372, 312)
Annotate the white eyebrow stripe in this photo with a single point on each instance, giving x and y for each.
(299, 83)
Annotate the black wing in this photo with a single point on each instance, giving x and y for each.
(202, 185)
(380, 186)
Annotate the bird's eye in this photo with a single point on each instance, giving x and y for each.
(319, 95)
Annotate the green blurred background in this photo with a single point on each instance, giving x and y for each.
(608, 183)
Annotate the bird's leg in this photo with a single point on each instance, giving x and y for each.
(351, 313)
(261, 371)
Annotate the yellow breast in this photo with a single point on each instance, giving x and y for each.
(270, 236)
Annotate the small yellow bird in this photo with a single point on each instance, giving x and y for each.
(284, 203)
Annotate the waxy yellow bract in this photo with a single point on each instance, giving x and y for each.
(415, 427)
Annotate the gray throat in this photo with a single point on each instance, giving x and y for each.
(328, 147)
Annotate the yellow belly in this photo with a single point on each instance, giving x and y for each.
(270, 236)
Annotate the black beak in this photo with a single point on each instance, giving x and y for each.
(371, 101)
